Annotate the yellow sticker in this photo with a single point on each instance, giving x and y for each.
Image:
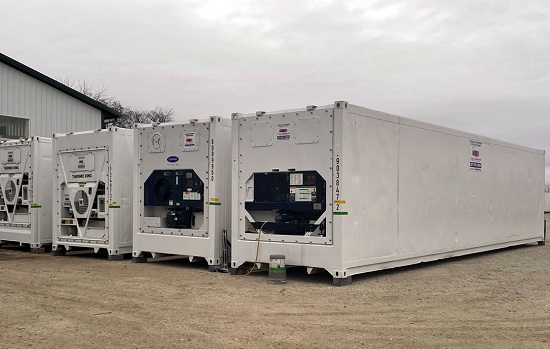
(341, 202)
(214, 199)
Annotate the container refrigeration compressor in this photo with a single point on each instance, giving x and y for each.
(25, 192)
(183, 186)
(353, 190)
(93, 191)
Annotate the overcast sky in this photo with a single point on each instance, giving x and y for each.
(478, 66)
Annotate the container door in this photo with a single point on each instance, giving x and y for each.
(83, 194)
(14, 185)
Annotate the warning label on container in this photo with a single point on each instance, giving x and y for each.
(81, 162)
(308, 193)
(475, 155)
(284, 132)
(190, 195)
(297, 178)
(189, 140)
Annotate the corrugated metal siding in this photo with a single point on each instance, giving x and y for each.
(49, 110)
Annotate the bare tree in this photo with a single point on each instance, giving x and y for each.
(134, 116)
(130, 116)
(98, 94)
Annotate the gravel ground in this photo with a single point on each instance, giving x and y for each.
(492, 300)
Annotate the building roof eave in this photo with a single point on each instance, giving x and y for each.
(106, 112)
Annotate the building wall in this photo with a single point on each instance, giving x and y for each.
(48, 109)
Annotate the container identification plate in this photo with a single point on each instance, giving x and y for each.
(475, 155)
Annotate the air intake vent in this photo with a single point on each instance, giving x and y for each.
(81, 202)
(10, 190)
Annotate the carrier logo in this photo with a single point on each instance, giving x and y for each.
(83, 175)
(173, 159)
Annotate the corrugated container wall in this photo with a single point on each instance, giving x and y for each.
(47, 109)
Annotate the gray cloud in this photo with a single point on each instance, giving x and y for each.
(479, 66)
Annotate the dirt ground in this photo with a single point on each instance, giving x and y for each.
(492, 300)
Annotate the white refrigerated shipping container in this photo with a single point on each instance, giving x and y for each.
(92, 194)
(546, 211)
(25, 192)
(183, 186)
(353, 190)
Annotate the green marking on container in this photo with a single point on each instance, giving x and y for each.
(278, 269)
(339, 213)
(215, 203)
(35, 206)
(114, 206)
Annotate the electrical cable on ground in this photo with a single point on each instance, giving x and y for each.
(257, 249)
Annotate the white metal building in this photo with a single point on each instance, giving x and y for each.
(33, 104)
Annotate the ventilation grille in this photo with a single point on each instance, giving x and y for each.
(81, 202)
(10, 190)
(162, 190)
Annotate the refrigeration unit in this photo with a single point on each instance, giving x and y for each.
(25, 192)
(183, 186)
(93, 191)
(353, 190)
